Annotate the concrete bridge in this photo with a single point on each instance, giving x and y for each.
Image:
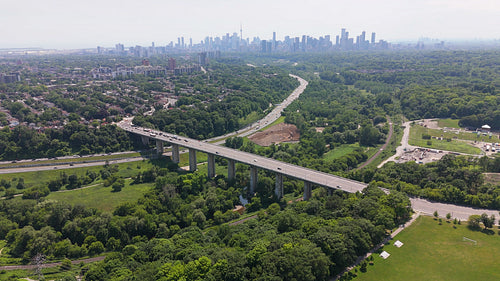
(308, 176)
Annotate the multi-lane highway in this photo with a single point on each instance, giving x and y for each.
(289, 170)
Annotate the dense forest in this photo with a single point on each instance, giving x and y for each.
(453, 179)
(213, 112)
(22, 142)
(161, 237)
(178, 230)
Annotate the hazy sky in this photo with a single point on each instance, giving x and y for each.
(89, 23)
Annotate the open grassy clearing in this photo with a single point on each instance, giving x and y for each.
(437, 252)
(452, 134)
(417, 131)
(72, 160)
(100, 197)
(493, 178)
(340, 151)
(36, 178)
(449, 123)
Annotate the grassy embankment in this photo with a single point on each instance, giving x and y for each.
(72, 160)
(437, 252)
(457, 144)
(448, 123)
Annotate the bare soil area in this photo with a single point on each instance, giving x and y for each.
(276, 134)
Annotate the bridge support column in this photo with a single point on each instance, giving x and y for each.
(211, 165)
(253, 179)
(329, 191)
(159, 147)
(175, 153)
(231, 171)
(307, 190)
(279, 186)
(145, 140)
(192, 160)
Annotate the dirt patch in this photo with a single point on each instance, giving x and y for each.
(276, 134)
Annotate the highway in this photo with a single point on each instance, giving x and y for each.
(286, 169)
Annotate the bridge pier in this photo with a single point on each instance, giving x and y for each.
(145, 140)
(211, 165)
(329, 191)
(175, 153)
(159, 147)
(231, 171)
(307, 190)
(279, 186)
(192, 160)
(253, 179)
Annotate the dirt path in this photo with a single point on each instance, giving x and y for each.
(403, 145)
(387, 141)
(54, 264)
(243, 220)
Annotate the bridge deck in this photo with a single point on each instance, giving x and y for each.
(289, 170)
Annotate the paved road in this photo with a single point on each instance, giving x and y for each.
(268, 119)
(46, 265)
(403, 147)
(460, 212)
(289, 170)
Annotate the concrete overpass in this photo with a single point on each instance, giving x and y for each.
(308, 176)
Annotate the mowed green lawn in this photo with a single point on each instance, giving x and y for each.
(417, 131)
(100, 197)
(438, 252)
(340, 151)
(449, 123)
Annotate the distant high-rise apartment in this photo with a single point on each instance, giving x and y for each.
(373, 38)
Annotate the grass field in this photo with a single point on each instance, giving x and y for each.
(32, 178)
(437, 252)
(417, 131)
(340, 151)
(101, 197)
(74, 160)
(449, 123)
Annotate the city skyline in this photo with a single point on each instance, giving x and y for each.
(75, 24)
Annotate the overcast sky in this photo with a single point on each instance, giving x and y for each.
(66, 24)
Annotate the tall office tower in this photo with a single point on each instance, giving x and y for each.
(343, 34)
(190, 42)
(328, 39)
(263, 46)
(303, 43)
(337, 40)
(153, 44)
(362, 38)
(182, 42)
(178, 42)
(274, 40)
(373, 37)
(119, 48)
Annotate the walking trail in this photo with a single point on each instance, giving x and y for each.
(387, 141)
